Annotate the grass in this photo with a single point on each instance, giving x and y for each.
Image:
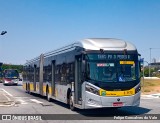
(150, 82)
(150, 86)
(147, 90)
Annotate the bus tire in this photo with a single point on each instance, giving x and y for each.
(71, 104)
(28, 88)
(68, 95)
(116, 108)
(47, 94)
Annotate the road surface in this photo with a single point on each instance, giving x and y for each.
(25, 103)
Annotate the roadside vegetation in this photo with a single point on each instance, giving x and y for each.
(150, 86)
(9, 66)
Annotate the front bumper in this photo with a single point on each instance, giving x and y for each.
(95, 101)
(10, 83)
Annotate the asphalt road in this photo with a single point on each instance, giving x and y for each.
(35, 104)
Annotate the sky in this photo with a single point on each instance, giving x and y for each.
(38, 26)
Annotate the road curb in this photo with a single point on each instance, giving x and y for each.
(152, 96)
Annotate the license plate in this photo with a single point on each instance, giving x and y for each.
(117, 104)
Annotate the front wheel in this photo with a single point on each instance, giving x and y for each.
(71, 104)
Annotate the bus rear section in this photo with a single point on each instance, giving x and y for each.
(11, 77)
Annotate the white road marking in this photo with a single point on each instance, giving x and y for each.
(36, 101)
(21, 97)
(7, 92)
(7, 97)
(144, 97)
(22, 101)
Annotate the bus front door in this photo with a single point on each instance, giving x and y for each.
(34, 79)
(41, 74)
(78, 80)
(53, 78)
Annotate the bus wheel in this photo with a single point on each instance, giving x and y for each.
(47, 94)
(71, 105)
(26, 88)
(29, 89)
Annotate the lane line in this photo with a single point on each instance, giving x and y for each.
(7, 92)
(22, 101)
(36, 101)
(21, 97)
(7, 97)
(147, 98)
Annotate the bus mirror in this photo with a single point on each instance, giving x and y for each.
(141, 62)
(1, 63)
(140, 66)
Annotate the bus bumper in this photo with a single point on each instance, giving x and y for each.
(95, 101)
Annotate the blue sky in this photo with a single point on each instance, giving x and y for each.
(38, 26)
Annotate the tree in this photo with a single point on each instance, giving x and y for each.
(18, 67)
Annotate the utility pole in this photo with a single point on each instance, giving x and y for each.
(150, 63)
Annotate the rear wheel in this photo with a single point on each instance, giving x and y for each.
(71, 104)
(28, 88)
(47, 95)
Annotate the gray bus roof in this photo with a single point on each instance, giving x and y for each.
(97, 44)
(106, 44)
(110, 44)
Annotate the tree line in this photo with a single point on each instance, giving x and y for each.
(9, 66)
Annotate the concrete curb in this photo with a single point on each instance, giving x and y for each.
(152, 95)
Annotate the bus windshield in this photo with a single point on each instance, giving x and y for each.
(112, 68)
(11, 74)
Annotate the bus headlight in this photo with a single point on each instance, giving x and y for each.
(92, 89)
(6, 81)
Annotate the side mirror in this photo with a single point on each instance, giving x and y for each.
(141, 62)
(140, 66)
(1, 63)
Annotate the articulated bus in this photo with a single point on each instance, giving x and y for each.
(91, 73)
